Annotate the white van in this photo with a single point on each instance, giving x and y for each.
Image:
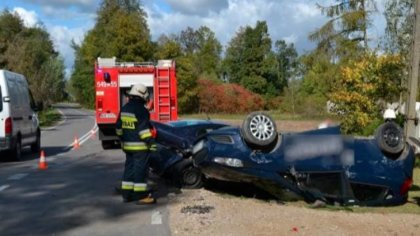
(19, 125)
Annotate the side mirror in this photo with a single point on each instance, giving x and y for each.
(107, 77)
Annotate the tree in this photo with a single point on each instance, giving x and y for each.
(121, 30)
(167, 48)
(399, 26)
(249, 60)
(10, 26)
(188, 100)
(30, 51)
(363, 83)
(287, 61)
(208, 53)
(345, 34)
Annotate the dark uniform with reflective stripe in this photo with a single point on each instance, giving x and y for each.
(133, 128)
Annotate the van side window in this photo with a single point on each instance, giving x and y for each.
(1, 102)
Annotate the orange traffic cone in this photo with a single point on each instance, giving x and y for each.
(42, 161)
(76, 144)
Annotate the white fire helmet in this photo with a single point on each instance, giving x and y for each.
(389, 114)
(139, 90)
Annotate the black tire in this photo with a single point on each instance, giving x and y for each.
(390, 138)
(36, 147)
(16, 152)
(108, 144)
(187, 175)
(259, 130)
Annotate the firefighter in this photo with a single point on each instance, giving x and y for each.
(133, 129)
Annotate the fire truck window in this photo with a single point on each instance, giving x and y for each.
(107, 77)
(124, 96)
(150, 89)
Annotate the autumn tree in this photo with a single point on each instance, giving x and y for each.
(363, 83)
(342, 40)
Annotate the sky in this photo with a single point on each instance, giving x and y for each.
(289, 20)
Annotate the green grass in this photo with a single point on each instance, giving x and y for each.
(49, 117)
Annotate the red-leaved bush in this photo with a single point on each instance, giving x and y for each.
(227, 98)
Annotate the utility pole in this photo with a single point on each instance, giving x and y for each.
(410, 127)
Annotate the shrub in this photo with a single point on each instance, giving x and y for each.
(227, 98)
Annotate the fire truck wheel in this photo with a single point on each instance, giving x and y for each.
(108, 144)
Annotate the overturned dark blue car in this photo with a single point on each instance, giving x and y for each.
(320, 164)
(175, 140)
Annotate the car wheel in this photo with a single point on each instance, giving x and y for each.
(259, 129)
(16, 152)
(187, 175)
(36, 147)
(390, 138)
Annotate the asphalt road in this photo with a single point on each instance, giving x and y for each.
(75, 195)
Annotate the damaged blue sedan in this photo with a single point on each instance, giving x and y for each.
(319, 164)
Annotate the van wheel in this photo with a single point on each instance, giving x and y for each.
(36, 147)
(16, 152)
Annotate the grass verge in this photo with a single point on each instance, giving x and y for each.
(49, 117)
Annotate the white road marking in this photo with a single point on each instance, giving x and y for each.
(85, 137)
(156, 218)
(17, 176)
(3, 187)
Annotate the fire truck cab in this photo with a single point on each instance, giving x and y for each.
(114, 79)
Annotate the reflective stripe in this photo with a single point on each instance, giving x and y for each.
(144, 134)
(128, 119)
(128, 114)
(134, 146)
(153, 147)
(140, 187)
(127, 185)
(144, 131)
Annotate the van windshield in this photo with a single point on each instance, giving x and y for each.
(1, 103)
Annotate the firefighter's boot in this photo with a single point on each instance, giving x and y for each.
(147, 200)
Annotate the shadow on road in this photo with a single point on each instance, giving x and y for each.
(72, 194)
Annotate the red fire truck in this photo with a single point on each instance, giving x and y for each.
(114, 79)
